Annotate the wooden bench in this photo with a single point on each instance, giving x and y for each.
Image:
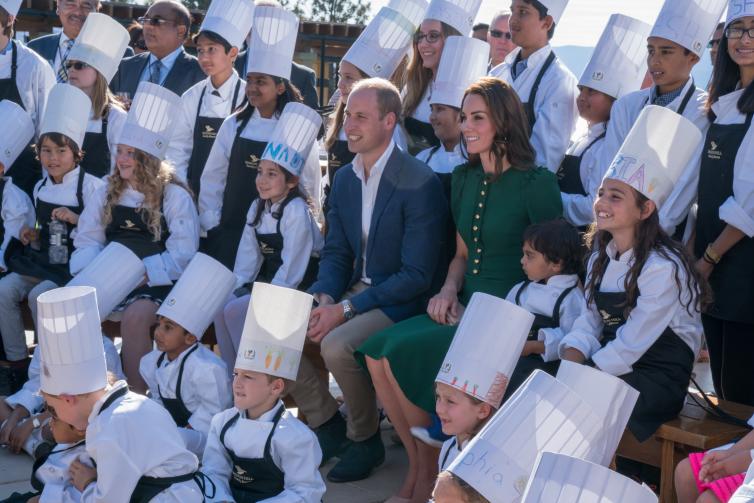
(693, 430)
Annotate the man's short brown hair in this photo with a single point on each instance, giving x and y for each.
(388, 97)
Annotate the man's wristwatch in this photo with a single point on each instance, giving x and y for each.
(35, 422)
(348, 311)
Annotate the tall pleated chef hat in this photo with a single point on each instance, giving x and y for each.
(150, 119)
(231, 19)
(690, 23)
(11, 6)
(657, 149)
(115, 272)
(199, 294)
(610, 398)
(101, 44)
(16, 131)
(542, 415)
(459, 14)
(293, 137)
(70, 341)
(619, 62)
(381, 46)
(738, 9)
(464, 60)
(413, 10)
(67, 112)
(555, 8)
(558, 478)
(274, 331)
(486, 348)
(272, 42)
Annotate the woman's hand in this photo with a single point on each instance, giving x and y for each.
(704, 268)
(65, 215)
(445, 302)
(719, 464)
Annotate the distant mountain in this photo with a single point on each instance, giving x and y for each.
(577, 57)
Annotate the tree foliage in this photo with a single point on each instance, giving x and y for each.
(340, 11)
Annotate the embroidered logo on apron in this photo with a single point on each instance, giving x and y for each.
(252, 162)
(130, 226)
(241, 476)
(209, 132)
(714, 151)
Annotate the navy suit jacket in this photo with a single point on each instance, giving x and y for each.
(302, 77)
(185, 73)
(47, 47)
(406, 235)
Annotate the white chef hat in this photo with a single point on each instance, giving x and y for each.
(11, 6)
(413, 10)
(231, 19)
(558, 478)
(459, 14)
(555, 8)
(610, 398)
(274, 331)
(272, 42)
(619, 62)
(199, 294)
(486, 348)
(542, 415)
(381, 46)
(464, 60)
(67, 112)
(101, 44)
(150, 119)
(70, 341)
(115, 272)
(293, 137)
(16, 131)
(657, 149)
(738, 9)
(690, 23)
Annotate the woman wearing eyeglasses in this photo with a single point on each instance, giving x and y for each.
(500, 39)
(442, 19)
(723, 241)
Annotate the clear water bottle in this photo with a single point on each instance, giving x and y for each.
(58, 242)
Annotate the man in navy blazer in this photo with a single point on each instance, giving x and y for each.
(386, 227)
(72, 14)
(166, 25)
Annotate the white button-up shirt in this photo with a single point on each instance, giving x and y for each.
(15, 212)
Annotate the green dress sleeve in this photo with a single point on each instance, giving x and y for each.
(457, 182)
(542, 196)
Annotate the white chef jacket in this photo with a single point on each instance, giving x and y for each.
(577, 209)
(657, 308)
(55, 476)
(301, 238)
(294, 450)
(131, 438)
(450, 448)
(442, 161)
(15, 213)
(205, 388)
(215, 172)
(540, 298)
(554, 107)
(181, 245)
(34, 79)
(182, 140)
(116, 118)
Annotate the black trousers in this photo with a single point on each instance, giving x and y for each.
(731, 346)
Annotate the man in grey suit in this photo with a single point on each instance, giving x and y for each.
(55, 47)
(166, 25)
(302, 77)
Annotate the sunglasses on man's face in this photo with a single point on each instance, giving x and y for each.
(76, 65)
(154, 21)
(500, 34)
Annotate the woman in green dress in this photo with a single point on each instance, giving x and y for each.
(494, 197)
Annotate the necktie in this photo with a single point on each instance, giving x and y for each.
(63, 71)
(155, 72)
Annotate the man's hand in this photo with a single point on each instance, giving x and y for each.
(81, 475)
(20, 434)
(323, 319)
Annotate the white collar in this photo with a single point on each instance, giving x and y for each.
(167, 60)
(597, 129)
(534, 59)
(226, 88)
(268, 416)
(66, 178)
(726, 102)
(379, 166)
(63, 39)
(563, 280)
(181, 356)
(99, 403)
(612, 253)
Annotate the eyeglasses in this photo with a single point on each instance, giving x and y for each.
(713, 43)
(736, 33)
(432, 37)
(74, 4)
(154, 21)
(76, 65)
(500, 34)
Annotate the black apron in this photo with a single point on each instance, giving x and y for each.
(205, 132)
(255, 479)
(2, 237)
(569, 172)
(661, 375)
(175, 406)
(28, 170)
(271, 246)
(97, 160)
(421, 135)
(730, 279)
(529, 105)
(26, 261)
(529, 363)
(221, 242)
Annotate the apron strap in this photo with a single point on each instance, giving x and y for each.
(592, 144)
(180, 372)
(432, 153)
(535, 87)
(233, 105)
(520, 291)
(561, 298)
(121, 392)
(687, 98)
(447, 453)
(13, 62)
(80, 188)
(226, 426)
(275, 422)
(278, 215)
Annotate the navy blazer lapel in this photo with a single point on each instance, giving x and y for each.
(385, 190)
(52, 50)
(176, 73)
(134, 77)
(352, 219)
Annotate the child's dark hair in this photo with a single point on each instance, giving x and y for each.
(214, 38)
(543, 13)
(291, 94)
(292, 194)
(650, 237)
(60, 140)
(559, 242)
